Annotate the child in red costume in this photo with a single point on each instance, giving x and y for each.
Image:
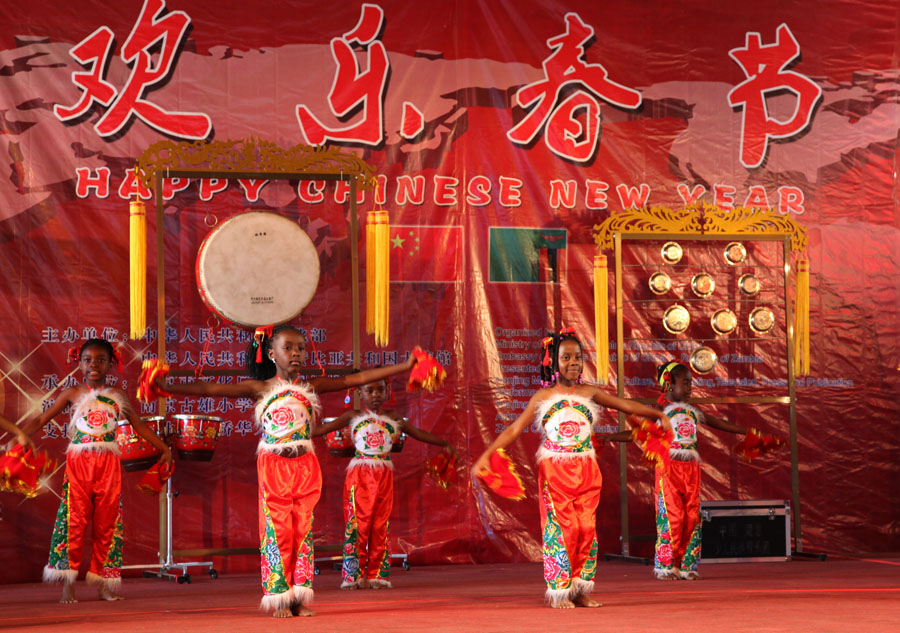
(92, 487)
(568, 475)
(369, 486)
(290, 481)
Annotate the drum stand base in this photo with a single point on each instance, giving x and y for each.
(162, 570)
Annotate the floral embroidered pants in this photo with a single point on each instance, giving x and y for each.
(289, 488)
(570, 493)
(368, 500)
(678, 517)
(92, 492)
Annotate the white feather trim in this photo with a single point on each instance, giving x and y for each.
(555, 597)
(51, 574)
(286, 449)
(276, 601)
(350, 585)
(100, 447)
(545, 406)
(684, 454)
(663, 574)
(362, 462)
(302, 595)
(302, 388)
(581, 587)
(110, 583)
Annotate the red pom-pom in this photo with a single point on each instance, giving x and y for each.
(154, 479)
(755, 444)
(23, 470)
(427, 373)
(654, 441)
(502, 478)
(148, 388)
(442, 468)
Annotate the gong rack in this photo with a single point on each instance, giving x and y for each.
(703, 222)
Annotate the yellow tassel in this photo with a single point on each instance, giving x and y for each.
(378, 242)
(601, 317)
(137, 225)
(801, 319)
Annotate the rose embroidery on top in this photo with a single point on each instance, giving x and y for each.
(283, 416)
(685, 429)
(97, 418)
(569, 429)
(374, 439)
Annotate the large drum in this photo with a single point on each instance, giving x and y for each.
(338, 443)
(257, 269)
(195, 436)
(137, 453)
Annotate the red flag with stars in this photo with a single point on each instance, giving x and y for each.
(425, 253)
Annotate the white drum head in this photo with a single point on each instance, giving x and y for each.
(257, 268)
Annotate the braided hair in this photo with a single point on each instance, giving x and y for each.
(75, 353)
(259, 365)
(551, 344)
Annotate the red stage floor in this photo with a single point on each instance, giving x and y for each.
(836, 595)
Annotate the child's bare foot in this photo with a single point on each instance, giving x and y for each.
(669, 575)
(302, 610)
(348, 586)
(68, 593)
(563, 604)
(108, 593)
(363, 583)
(283, 612)
(585, 600)
(379, 583)
(691, 575)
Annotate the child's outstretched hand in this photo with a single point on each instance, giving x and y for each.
(166, 457)
(24, 440)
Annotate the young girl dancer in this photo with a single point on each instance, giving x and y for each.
(369, 486)
(290, 480)
(92, 486)
(569, 479)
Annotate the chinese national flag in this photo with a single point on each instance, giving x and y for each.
(426, 253)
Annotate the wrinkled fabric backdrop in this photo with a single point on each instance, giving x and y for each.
(493, 206)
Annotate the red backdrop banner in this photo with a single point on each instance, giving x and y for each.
(502, 133)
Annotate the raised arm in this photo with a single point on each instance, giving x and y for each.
(723, 425)
(243, 389)
(630, 406)
(325, 384)
(509, 434)
(424, 436)
(338, 423)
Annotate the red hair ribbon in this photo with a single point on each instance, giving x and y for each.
(567, 330)
(117, 356)
(259, 337)
(545, 343)
(73, 355)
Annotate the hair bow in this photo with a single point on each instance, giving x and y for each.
(259, 337)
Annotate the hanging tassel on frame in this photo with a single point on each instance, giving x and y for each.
(137, 237)
(378, 242)
(601, 317)
(801, 319)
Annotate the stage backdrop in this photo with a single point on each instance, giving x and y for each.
(502, 132)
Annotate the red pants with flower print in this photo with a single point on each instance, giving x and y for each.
(289, 489)
(680, 490)
(373, 502)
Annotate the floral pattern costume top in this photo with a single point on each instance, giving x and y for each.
(685, 419)
(373, 437)
(95, 416)
(285, 414)
(566, 422)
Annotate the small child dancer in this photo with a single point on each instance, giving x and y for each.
(569, 478)
(290, 480)
(92, 486)
(677, 490)
(369, 486)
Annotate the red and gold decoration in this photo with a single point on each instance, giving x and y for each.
(442, 468)
(502, 478)
(154, 480)
(23, 470)
(653, 440)
(378, 250)
(601, 317)
(137, 237)
(427, 374)
(755, 444)
(148, 389)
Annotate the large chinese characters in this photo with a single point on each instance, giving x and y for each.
(150, 51)
(572, 126)
(764, 67)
